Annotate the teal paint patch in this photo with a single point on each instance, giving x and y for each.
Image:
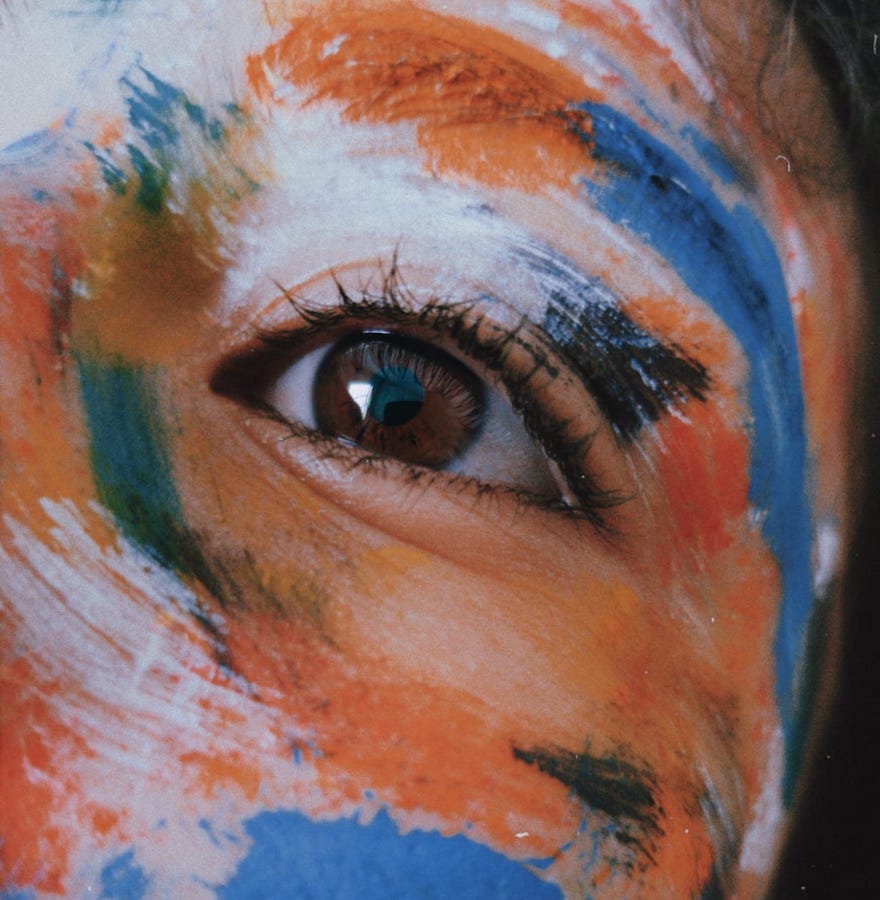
(164, 121)
(132, 469)
(158, 112)
(129, 457)
(154, 180)
(112, 174)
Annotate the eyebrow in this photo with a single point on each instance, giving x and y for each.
(633, 375)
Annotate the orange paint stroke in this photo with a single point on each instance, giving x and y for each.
(486, 106)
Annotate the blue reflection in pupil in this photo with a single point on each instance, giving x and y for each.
(396, 397)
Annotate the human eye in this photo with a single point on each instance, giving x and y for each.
(423, 389)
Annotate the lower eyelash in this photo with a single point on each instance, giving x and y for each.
(329, 448)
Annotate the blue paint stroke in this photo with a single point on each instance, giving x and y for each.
(38, 143)
(112, 174)
(154, 111)
(123, 879)
(726, 258)
(293, 856)
(712, 155)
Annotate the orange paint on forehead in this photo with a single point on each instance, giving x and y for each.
(486, 107)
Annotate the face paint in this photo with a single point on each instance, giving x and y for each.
(728, 260)
(240, 649)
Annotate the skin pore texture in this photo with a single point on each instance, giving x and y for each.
(243, 658)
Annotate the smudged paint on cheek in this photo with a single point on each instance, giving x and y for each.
(723, 255)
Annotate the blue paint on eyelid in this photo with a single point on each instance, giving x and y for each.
(293, 856)
(726, 257)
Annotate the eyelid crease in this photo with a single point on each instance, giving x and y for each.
(247, 376)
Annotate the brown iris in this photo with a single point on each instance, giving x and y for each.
(398, 397)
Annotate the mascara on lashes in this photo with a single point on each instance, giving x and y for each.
(247, 375)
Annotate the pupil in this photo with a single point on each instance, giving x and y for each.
(396, 397)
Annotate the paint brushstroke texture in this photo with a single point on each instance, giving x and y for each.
(726, 258)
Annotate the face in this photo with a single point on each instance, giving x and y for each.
(426, 452)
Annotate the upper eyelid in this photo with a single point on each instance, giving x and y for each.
(322, 325)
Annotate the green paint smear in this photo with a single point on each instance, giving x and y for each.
(113, 176)
(158, 111)
(154, 181)
(130, 463)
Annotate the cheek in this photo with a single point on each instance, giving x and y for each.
(423, 656)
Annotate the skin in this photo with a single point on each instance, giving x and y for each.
(211, 613)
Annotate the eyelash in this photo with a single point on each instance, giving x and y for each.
(245, 378)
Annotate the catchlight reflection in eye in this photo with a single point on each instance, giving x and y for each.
(395, 396)
(398, 397)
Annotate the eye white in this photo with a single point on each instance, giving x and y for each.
(502, 453)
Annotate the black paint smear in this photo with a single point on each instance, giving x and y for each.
(605, 784)
(633, 375)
